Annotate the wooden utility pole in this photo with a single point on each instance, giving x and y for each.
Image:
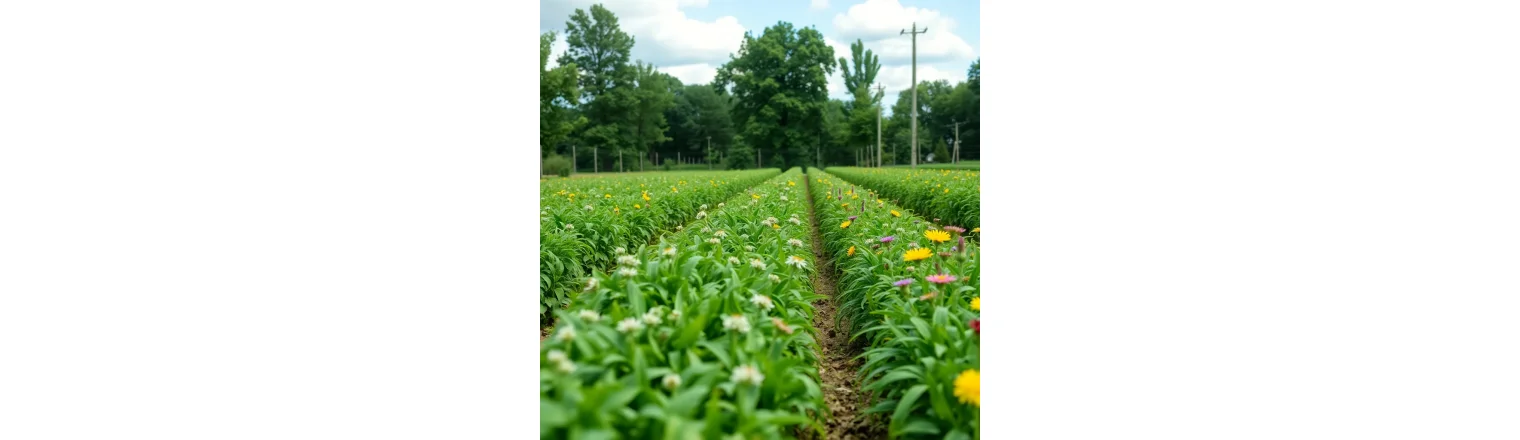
(915, 33)
(955, 154)
(573, 163)
(596, 165)
(878, 124)
(709, 153)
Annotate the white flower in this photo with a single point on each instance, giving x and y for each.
(588, 207)
(619, 251)
(794, 242)
(744, 236)
(796, 261)
(794, 221)
(628, 260)
(736, 323)
(775, 279)
(652, 318)
(783, 197)
(671, 381)
(590, 284)
(764, 302)
(766, 222)
(670, 251)
(770, 220)
(749, 248)
(590, 316)
(566, 367)
(733, 260)
(628, 272)
(756, 263)
(706, 229)
(703, 207)
(569, 226)
(675, 314)
(629, 325)
(720, 233)
(557, 356)
(678, 227)
(747, 374)
(910, 268)
(714, 240)
(720, 204)
(701, 215)
(565, 334)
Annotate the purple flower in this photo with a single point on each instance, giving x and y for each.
(852, 218)
(955, 229)
(888, 239)
(903, 282)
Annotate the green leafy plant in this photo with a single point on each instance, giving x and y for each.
(952, 196)
(706, 333)
(910, 289)
(583, 221)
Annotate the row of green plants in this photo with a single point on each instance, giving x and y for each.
(910, 289)
(705, 334)
(950, 196)
(582, 220)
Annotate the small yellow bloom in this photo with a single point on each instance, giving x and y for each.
(937, 236)
(636, 206)
(968, 387)
(775, 226)
(791, 183)
(976, 229)
(846, 224)
(896, 214)
(917, 254)
(851, 252)
(976, 303)
(947, 190)
(607, 196)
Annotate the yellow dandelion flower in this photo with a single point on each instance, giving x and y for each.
(976, 303)
(976, 229)
(846, 224)
(775, 226)
(937, 236)
(636, 206)
(851, 252)
(896, 214)
(947, 190)
(968, 387)
(791, 183)
(607, 196)
(917, 254)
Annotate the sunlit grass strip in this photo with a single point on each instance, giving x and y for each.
(911, 291)
(705, 334)
(950, 196)
(581, 221)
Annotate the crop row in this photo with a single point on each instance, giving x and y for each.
(953, 197)
(705, 334)
(911, 291)
(581, 221)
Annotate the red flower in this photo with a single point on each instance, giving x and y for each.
(976, 324)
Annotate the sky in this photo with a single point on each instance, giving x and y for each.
(690, 39)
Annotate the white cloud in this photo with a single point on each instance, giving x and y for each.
(663, 35)
(819, 4)
(879, 23)
(692, 73)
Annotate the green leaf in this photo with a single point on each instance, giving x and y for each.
(900, 415)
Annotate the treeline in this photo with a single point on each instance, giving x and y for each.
(768, 106)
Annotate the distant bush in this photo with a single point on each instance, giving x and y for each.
(669, 163)
(557, 165)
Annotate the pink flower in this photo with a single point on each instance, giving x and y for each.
(888, 239)
(955, 229)
(941, 279)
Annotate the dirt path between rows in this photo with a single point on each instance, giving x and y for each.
(837, 367)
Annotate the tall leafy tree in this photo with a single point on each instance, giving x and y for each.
(780, 82)
(600, 50)
(860, 71)
(699, 112)
(557, 93)
(653, 97)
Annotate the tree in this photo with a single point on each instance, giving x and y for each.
(599, 49)
(699, 112)
(557, 92)
(654, 97)
(858, 81)
(780, 82)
